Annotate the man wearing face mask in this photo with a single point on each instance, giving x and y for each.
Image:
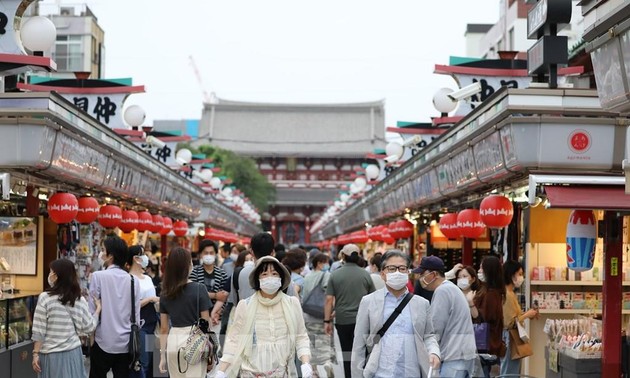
(394, 334)
(213, 277)
(451, 319)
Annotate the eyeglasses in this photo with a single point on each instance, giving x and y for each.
(394, 268)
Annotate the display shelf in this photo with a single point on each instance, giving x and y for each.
(572, 283)
(574, 311)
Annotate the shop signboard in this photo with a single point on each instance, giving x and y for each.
(507, 147)
(72, 158)
(105, 108)
(577, 146)
(488, 158)
(489, 85)
(457, 172)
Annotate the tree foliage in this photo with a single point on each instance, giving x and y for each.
(243, 172)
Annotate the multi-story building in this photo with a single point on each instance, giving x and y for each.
(308, 152)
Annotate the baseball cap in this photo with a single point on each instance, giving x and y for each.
(430, 263)
(348, 249)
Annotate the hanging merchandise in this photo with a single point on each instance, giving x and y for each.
(110, 216)
(63, 207)
(581, 238)
(180, 228)
(470, 223)
(167, 226)
(145, 221)
(129, 221)
(496, 211)
(88, 210)
(158, 223)
(449, 226)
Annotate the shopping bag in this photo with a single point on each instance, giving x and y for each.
(522, 332)
(482, 336)
(518, 348)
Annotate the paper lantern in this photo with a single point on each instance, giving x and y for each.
(449, 226)
(145, 221)
(360, 236)
(88, 210)
(129, 221)
(63, 207)
(405, 229)
(180, 228)
(496, 211)
(110, 216)
(393, 230)
(470, 223)
(157, 224)
(374, 233)
(581, 238)
(386, 237)
(167, 226)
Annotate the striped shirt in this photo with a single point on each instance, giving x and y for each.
(214, 282)
(56, 325)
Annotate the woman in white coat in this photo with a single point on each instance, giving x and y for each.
(409, 347)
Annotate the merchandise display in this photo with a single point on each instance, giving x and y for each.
(16, 318)
(578, 338)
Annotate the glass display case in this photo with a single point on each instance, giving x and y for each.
(16, 318)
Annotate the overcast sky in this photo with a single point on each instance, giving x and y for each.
(286, 50)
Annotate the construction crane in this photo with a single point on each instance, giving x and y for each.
(207, 98)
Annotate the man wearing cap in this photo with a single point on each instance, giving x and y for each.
(346, 286)
(451, 319)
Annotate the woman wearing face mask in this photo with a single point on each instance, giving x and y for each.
(61, 314)
(182, 303)
(322, 345)
(468, 282)
(138, 261)
(513, 276)
(489, 306)
(268, 329)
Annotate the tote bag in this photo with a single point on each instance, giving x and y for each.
(482, 336)
(313, 304)
(518, 348)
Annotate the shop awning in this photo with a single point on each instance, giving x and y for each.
(603, 197)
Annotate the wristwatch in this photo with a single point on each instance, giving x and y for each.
(326, 321)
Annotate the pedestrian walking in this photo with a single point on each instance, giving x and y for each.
(60, 317)
(394, 334)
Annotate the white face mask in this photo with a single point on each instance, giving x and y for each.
(248, 264)
(208, 259)
(481, 277)
(518, 281)
(396, 280)
(270, 285)
(234, 256)
(51, 283)
(144, 261)
(463, 283)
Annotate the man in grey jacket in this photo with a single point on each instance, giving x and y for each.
(409, 347)
(451, 319)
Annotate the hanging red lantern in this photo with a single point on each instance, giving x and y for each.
(88, 210)
(496, 211)
(360, 237)
(157, 224)
(387, 238)
(405, 229)
(448, 226)
(129, 221)
(145, 221)
(167, 226)
(63, 207)
(110, 216)
(393, 229)
(180, 228)
(470, 223)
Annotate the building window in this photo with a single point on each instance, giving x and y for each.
(69, 53)
(511, 39)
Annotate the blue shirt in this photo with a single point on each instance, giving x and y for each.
(113, 287)
(399, 357)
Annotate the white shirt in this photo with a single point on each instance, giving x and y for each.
(147, 289)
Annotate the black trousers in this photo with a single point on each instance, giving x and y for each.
(346, 337)
(101, 362)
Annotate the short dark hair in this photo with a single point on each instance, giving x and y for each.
(134, 250)
(263, 267)
(319, 258)
(295, 259)
(473, 273)
(205, 243)
(67, 284)
(240, 260)
(117, 248)
(394, 253)
(262, 244)
(376, 261)
(353, 258)
(510, 268)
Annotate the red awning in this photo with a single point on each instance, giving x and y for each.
(599, 197)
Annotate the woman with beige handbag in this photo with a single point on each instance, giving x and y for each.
(513, 318)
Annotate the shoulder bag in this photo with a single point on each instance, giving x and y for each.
(518, 348)
(201, 343)
(134, 335)
(313, 304)
(379, 334)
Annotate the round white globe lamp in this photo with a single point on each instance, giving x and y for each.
(38, 34)
(215, 183)
(206, 175)
(344, 197)
(360, 182)
(183, 156)
(372, 171)
(134, 115)
(442, 102)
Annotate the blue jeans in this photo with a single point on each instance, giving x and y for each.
(508, 365)
(456, 368)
